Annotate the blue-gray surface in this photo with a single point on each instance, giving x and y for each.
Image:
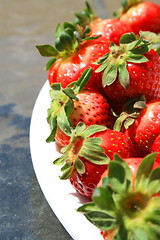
(24, 211)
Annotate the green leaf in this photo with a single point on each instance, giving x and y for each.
(91, 38)
(47, 50)
(128, 122)
(82, 81)
(125, 166)
(50, 63)
(88, 207)
(68, 25)
(109, 75)
(59, 30)
(127, 38)
(142, 234)
(105, 182)
(101, 220)
(143, 48)
(93, 129)
(53, 124)
(69, 108)
(122, 233)
(91, 153)
(63, 122)
(119, 122)
(80, 128)
(61, 160)
(67, 173)
(133, 44)
(70, 93)
(154, 181)
(63, 42)
(145, 170)
(102, 60)
(117, 177)
(102, 66)
(124, 77)
(56, 87)
(102, 197)
(141, 104)
(79, 165)
(136, 58)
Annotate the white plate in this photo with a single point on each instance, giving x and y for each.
(60, 194)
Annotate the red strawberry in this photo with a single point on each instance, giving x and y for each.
(126, 205)
(130, 70)
(79, 45)
(91, 108)
(156, 148)
(76, 104)
(146, 127)
(112, 29)
(93, 149)
(68, 69)
(141, 15)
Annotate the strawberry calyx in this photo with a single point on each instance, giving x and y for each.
(69, 37)
(62, 104)
(85, 17)
(132, 110)
(114, 63)
(125, 6)
(128, 207)
(82, 146)
(153, 38)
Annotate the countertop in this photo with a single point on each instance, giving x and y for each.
(24, 211)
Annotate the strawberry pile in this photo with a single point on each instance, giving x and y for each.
(104, 77)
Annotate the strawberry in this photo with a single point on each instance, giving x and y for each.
(76, 48)
(127, 204)
(76, 104)
(146, 127)
(130, 70)
(79, 45)
(67, 69)
(140, 15)
(156, 148)
(91, 150)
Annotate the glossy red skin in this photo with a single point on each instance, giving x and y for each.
(91, 108)
(146, 128)
(144, 80)
(144, 16)
(156, 148)
(68, 70)
(112, 142)
(110, 28)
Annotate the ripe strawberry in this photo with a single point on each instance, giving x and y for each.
(91, 150)
(126, 206)
(140, 15)
(146, 127)
(67, 69)
(156, 148)
(76, 104)
(79, 45)
(130, 70)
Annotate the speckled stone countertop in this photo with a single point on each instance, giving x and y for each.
(24, 211)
